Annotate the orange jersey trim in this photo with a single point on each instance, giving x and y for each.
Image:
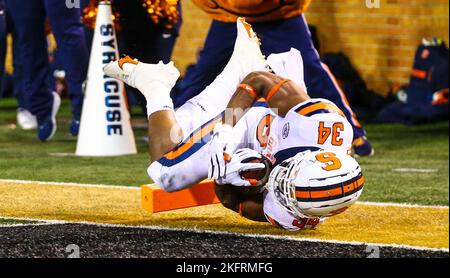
(320, 106)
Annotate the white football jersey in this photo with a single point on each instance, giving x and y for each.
(312, 125)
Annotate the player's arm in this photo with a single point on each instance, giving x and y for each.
(248, 206)
(280, 94)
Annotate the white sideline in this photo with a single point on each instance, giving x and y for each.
(288, 238)
(387, 204)
(415, 170)
(381, 204)
(40, 222)
(27, 224)
(70, 184)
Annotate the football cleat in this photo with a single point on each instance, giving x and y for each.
(121, 69)
(25, 119)
(247, 56)
(362, 147)
(140, 75)
(47, 127)
(74, 127)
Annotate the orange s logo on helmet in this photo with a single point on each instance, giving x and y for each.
(330, 160)
(263, 130)
(252, 10)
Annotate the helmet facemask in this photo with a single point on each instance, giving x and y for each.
(282, 183)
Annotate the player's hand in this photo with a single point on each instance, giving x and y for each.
(218, 157)
(237, 165)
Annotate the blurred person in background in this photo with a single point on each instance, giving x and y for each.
(25, 119)
(146, 29)
(280, 25)
(28, 17)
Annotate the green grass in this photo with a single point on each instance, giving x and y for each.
(398, 146)
(22, 156)
(6, 221)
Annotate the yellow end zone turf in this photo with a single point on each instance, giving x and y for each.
(418, 226)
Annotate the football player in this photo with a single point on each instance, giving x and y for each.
(207, 136)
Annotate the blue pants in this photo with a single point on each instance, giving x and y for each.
(6, 26)
(3, 34)
(29, 18)
(276, 37)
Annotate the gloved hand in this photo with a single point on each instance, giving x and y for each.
(236, 165)
(221, 137)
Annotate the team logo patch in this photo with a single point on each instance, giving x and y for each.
(285, 130)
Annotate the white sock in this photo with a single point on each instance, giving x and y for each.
(229, 78)
(158, 97)
(156, 91)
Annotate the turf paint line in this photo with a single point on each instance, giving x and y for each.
(28, 224)
(381, 204)
(403, 225)
(69, 184)
(37, 222)
(63, 154)
(414, 170)
(200, 231)
(40, 220)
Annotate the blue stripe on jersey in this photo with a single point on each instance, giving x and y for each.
(291, 152)
(195, 146)
(320, 111)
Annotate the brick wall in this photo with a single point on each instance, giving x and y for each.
(380, 41)
(193, 32)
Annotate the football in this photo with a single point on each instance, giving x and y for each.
(259, 177)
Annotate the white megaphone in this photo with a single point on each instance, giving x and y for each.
(105, 127)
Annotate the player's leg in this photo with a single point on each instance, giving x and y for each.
(213, 57)
(69, 34)
(220, 57)
(3, 34)
(246, 58)
(154, 81)
(28, 17)
(186, 165)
